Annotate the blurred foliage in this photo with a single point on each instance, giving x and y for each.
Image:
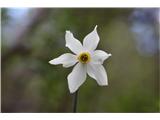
(30, 84)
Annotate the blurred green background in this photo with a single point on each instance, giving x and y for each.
(32, 37)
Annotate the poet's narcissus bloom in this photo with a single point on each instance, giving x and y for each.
(87, 59)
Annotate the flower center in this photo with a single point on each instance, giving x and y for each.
(84, 57)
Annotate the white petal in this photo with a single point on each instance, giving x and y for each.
(90, 72)
(99, 56)
(66, 59)
(77, 77)
(98, 73)
(91, 41)
(72, 43)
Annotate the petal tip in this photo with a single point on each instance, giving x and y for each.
(67, 31)
(105, 84)
(71, 92)
(109, 55)
(95, 28)
(50, 62)
(53, 62)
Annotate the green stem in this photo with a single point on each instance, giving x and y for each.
(75, 99)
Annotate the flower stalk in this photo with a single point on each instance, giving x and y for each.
(75, 99)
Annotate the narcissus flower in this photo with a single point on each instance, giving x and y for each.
(87, 59)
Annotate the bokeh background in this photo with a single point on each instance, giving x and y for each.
(31, 37)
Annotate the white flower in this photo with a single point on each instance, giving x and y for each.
(89, 61)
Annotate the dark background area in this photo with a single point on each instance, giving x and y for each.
(32, 37)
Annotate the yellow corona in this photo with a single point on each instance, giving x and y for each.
(84, 57)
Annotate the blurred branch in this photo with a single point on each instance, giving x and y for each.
(36, 18)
